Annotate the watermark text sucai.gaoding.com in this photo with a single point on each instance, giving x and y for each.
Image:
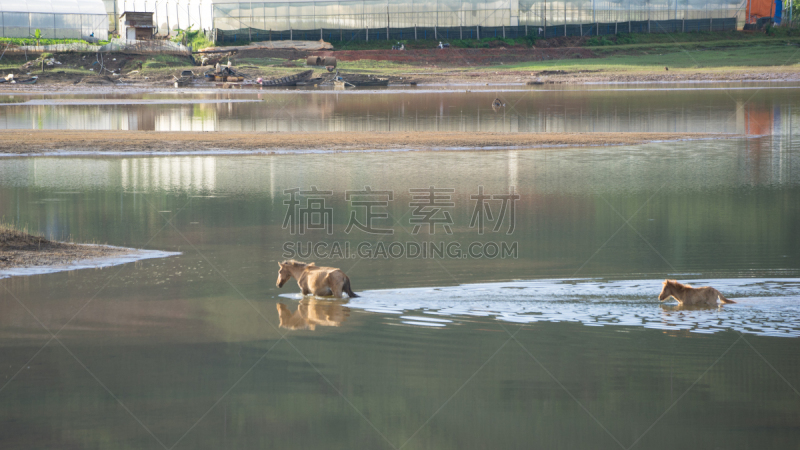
(431, 208)
(397, 249)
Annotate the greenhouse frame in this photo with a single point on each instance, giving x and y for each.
(55, 19)
(461, 19)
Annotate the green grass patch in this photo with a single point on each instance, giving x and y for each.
(368, 65)
(367, 45)
(12, 62)
(235, 43)
(165, 61)
(260, 62)
(70, 70)
(31, 41)
(674, 57)
(526, 41)
(670, 38)
(599, 41)
(699, 38)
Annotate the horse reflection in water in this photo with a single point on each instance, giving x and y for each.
(312, 312)
(682, 307)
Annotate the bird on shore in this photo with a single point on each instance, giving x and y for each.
(666, 68)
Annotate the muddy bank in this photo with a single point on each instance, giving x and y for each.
(24, 254)
(44, 141)
(430, 77)
(19, 249)
(481, 77)
(423, 66)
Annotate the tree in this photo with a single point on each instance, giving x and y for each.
(37, 36)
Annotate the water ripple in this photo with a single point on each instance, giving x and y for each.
(765, 307)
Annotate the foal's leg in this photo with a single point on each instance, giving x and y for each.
(335, 284)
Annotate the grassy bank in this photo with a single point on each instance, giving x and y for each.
(13, 237)
(677, 56)
(42, 41)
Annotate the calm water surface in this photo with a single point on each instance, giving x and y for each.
(562, 344)
(744, 108)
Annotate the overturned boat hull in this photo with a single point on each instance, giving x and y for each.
(290, 80)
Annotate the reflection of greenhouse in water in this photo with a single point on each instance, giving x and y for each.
(455, 19)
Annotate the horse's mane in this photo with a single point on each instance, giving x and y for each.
(675, 284)
(291, 262)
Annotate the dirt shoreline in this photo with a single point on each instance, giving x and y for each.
(496, 62)
(22, 254)
(442, 78)
(22, 250)
(26, 142)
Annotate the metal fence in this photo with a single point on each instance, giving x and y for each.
(374, 19)
(478, 32)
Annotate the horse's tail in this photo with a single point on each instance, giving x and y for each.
(723, 299)
(346, 288)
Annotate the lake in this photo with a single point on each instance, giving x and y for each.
(508, 299)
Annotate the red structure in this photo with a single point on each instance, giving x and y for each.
(757, 9)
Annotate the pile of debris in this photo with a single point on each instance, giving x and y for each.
(11, 79)
(224, 73)
(187, 76)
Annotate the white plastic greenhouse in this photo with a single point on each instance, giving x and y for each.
(347, 20)
(56, 19)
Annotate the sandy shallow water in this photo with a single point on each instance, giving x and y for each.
(24, 142)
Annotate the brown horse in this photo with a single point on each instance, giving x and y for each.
(688, 295)
(313, 280)
(311, 312)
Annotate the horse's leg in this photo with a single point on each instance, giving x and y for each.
(303, 288)
(335, 285)
(322, 291)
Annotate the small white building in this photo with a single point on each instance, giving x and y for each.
(136, 26)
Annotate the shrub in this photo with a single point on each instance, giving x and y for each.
(598, 41)
(194, 38)
(626, 38)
